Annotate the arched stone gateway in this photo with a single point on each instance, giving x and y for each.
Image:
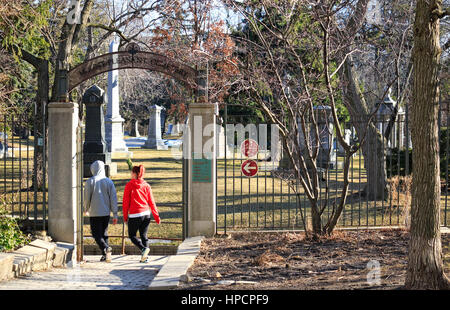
(64, 177)
(133, 59)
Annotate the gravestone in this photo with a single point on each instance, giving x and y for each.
(175, 129)
(3, 150)
(3, 145)
(154, 140)
(326, 157)
(113, 120)
(163, 121)
(397, 136)
(169, 129)
(347, 139)
(22, 132)
(94, 147)
(135, 129)
(327, 154)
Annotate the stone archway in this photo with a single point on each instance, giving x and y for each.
(133, 58)
(62, 145)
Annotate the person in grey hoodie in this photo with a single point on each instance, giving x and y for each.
(100, 199)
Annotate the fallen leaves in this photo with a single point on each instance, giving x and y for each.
(268, 259)
(287, 260)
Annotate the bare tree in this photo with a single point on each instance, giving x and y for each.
(192, 32)
(139, 90)
(291, 73)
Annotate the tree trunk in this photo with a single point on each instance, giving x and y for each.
(316, 221)
(425, 268)
(40, 119)
(374, 152)
(373, 149)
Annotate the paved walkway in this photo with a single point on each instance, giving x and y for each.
(123, 273)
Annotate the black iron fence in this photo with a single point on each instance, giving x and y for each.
(379, 192)
(23, 168)
(269, 200)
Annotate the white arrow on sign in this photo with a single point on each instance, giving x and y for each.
(247, 167)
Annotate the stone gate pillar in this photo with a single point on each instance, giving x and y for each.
(199, 147)
(62, 171)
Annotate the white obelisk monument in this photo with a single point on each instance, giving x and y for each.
(113, 120)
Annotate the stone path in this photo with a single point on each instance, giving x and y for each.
(123, 273)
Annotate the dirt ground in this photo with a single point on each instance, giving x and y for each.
(289, 261)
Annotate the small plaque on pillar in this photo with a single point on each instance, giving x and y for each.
(201, 170)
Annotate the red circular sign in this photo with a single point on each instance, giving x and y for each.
(249, 168)
(249, 148)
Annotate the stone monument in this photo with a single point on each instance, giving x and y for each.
(114, 122)
(347, 139)
(175, 129)
(94, 147)
(163, 121)
(169, 129)
(384, 113)
(135, 129)
(4, 151)
(327, 154)
(154, 140)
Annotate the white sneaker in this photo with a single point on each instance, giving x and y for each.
(144, 257)
(108, 255)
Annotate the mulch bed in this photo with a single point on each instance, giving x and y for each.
(289, 261)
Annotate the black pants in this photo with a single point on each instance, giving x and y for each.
(139, 223)
(99, 228)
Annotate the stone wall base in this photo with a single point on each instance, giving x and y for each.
(36, 256)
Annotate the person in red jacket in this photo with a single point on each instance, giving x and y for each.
(138, 202)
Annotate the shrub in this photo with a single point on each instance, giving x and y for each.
(11, 237)
(400, 193)
(130, 164)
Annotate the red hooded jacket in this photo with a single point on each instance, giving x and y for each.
(138, 198)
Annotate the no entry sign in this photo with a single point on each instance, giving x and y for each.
(249, 148)
(249, 168)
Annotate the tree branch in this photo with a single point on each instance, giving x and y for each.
(110, 30)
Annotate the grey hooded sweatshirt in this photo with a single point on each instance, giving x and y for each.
(100, 197)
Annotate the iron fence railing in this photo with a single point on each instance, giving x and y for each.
(23, 168)
(267, 201)
(379, 177)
